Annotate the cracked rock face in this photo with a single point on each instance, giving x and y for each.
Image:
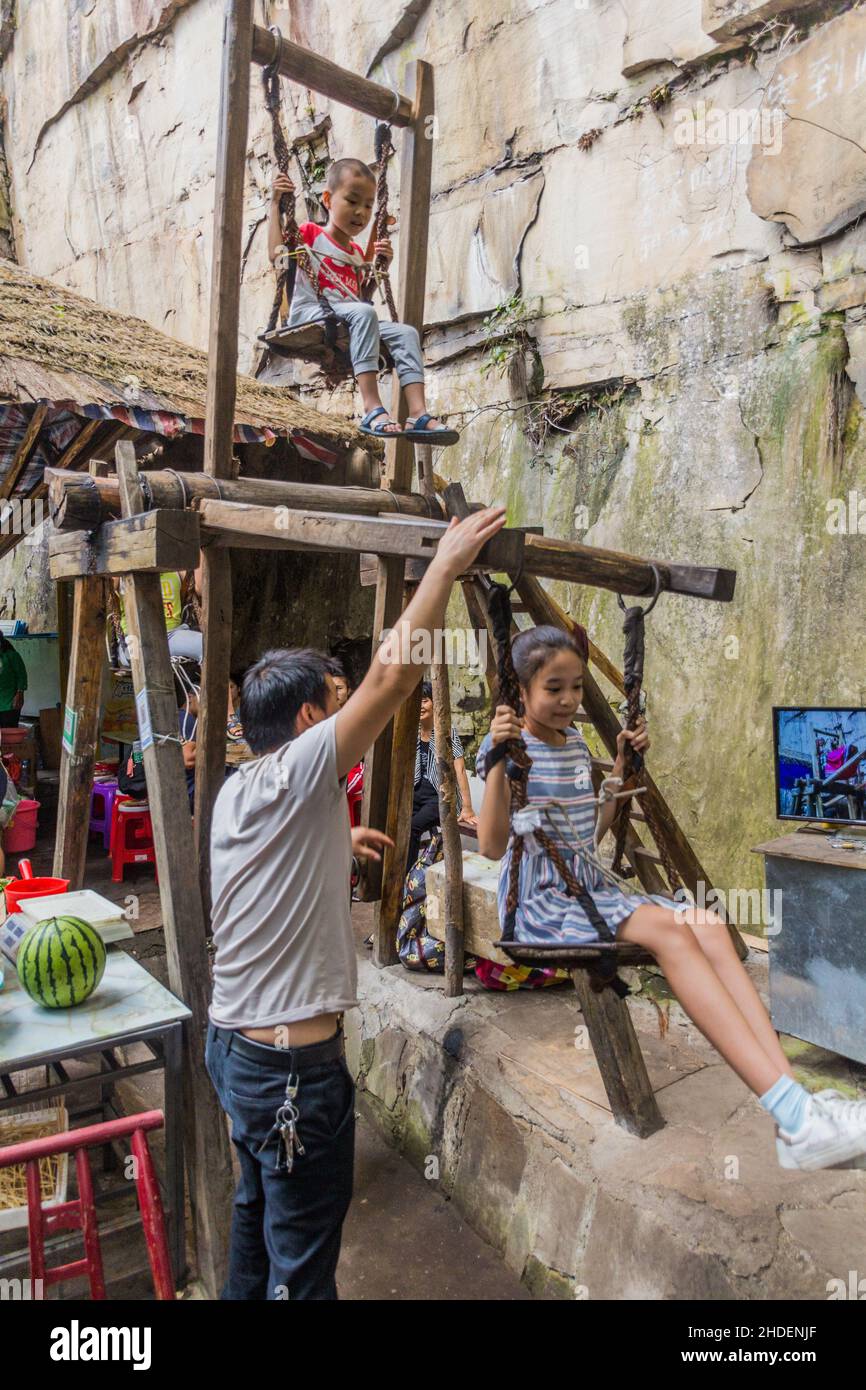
(678, 376)
(815, 182)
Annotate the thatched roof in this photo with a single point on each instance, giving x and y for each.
(57, 346)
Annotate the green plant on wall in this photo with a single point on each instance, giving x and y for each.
(505, 334)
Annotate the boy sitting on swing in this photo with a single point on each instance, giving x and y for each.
(338, 261)
(692, 946)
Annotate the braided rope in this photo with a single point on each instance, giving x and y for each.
(384, 147)
(635, 775)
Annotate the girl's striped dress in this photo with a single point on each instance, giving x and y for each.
(545, 912)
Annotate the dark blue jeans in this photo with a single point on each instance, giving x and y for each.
(286, 1226)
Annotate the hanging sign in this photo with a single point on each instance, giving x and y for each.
(70, 725)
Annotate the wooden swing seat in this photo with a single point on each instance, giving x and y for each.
(311, 342)
(575, 957)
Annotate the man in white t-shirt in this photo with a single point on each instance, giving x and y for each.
(285, 966)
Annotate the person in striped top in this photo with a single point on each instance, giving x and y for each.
(692, 946)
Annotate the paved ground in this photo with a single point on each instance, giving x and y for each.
(404, 1241)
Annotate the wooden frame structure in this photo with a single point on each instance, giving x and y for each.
(182, 517)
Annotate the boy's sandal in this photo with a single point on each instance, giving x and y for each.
(380, 431)
(417, 431)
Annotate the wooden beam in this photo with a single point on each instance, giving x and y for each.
(149, 542)
(82, 695)
(207, 1146)
(686, 862)
(236, 523)
(79, 502)
(216, 595)
(112, 434)
(574, 563)
(25, 449)
(74, 505)
(452, 848)
(80, 445)
(416, 182)
(321, 75)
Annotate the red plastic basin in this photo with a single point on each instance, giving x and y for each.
(21, 888)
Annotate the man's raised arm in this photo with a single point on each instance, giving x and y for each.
(395, 670)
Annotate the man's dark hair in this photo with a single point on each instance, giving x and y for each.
(274, 690)
(341, 167)
(335, 667)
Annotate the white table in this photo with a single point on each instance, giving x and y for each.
(128, 1006)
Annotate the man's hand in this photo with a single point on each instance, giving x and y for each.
(366, 842)
(384, 249)
(460, 544)
(281, 184)
(18, 701)
(467, 818)
(505, 725)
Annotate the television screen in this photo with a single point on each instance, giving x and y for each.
(820, 764)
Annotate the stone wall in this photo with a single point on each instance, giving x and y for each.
(645, 299)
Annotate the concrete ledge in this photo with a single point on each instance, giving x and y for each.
(496, 1098)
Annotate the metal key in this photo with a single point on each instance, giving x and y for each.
(286, 1121)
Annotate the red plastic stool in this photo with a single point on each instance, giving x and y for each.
(80, 1214)
(131, 836)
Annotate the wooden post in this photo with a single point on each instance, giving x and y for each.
(388, 759)
(620, 1060)
(83, 694)
(65, 595)
(206, 1143)
(453, 850)
(390, 601)
(398, 826)
(216, 596)
(416, 179)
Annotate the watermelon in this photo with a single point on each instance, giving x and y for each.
(60, 961)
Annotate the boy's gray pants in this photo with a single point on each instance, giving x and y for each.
(365, 332)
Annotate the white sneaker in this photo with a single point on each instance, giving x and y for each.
(834, 1132)
(859, 1161)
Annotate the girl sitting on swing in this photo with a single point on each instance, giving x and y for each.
(692, 946)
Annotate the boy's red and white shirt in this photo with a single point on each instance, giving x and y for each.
(337, 267)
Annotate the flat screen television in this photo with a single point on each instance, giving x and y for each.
(820, 759)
